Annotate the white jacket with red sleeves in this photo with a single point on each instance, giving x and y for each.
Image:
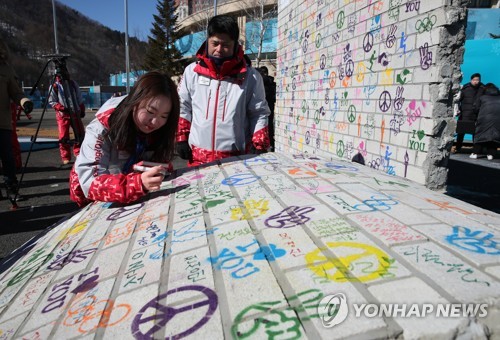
(223, 111)
(98, 173)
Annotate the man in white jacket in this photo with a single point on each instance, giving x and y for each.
(224, 111)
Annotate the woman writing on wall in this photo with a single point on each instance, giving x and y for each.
(127, 130)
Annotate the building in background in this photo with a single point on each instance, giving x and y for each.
(482, 45)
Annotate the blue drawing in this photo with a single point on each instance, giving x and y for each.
(270, 253)
(477, 241)
(240, 179)
(382, 202)
(341, 167)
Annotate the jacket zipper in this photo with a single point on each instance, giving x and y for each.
(224, 110)
(208, 102)
(215, 118)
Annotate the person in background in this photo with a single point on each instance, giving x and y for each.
(16, 147)
(9, 91)
(247, 60)
(58, 101)
(270, 89)
(465, 109)
(223, 106)
(127, 130)
(487, 134)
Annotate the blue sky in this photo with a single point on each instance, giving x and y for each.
(111, 13)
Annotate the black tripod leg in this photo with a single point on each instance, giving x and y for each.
(33, 141)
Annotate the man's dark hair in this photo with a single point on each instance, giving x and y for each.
(223, 24)
(475, 75)
(247, 60)
(264, 70)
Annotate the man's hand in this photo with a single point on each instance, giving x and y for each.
(184, 150)
(255, 151)
(151, 179)
(28, 107)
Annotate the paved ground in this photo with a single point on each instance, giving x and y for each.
(250, 247)
(44, 185)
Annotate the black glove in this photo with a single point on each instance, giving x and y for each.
(184, 150)
(82, 111)
(253, 150)
(28, 107)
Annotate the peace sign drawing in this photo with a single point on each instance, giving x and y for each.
(368, 42)
(384, 101)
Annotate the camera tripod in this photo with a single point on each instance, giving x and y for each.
(70, 101)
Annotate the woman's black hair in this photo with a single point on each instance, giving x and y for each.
(122, 129)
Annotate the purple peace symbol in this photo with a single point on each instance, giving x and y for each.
(322, 62)
(384, 101)
(289, 217)
(368, 42)
(305, 44)
(349, 68)
(124, 212)
(159, 315)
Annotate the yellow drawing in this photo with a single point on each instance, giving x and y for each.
(365, 263)
(252, 209)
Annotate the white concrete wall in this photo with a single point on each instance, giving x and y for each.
(370, 77)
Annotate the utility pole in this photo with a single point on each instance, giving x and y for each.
(55, 26)
(215, 7)
(127, 61)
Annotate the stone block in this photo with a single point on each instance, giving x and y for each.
(185, 210)
(311, 289)
(143, 267)
(61, 295)
(286, 247)
(188, 235)
(462, 281)
(151, 232)
(412, 291)
(191, 268)
(240, 295)
(385, 228)
(10, 327)
(27, 297)
(353, 257)
(477, 244)
(493, 271)
(120, 232)
(109, 261)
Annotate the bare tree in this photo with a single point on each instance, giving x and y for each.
(193, 26)
(259, 13)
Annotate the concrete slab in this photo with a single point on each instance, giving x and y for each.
(257, 247)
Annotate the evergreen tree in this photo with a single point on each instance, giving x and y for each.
(162, 54)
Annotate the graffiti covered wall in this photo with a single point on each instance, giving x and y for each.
(370, 78)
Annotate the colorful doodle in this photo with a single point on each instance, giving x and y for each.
(276, 323)
(289, 217)
(427, 255)
(88, 313)
(476, 241)
(228, 259)
(251, 210)
(364, 263)
(155, 315)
